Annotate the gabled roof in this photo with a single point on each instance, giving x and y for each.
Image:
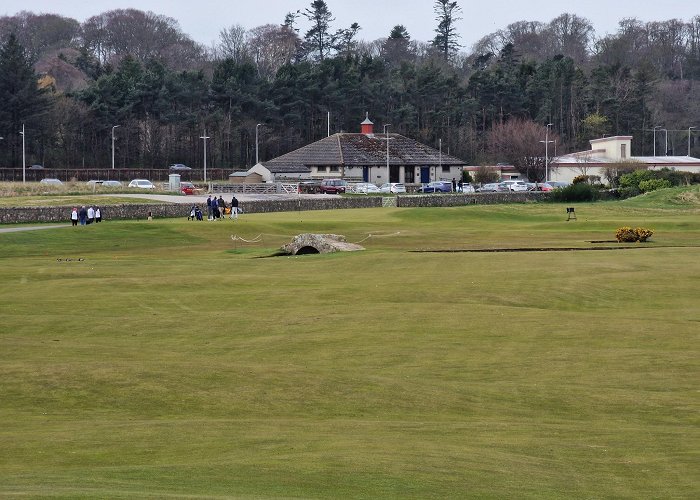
(359, 150)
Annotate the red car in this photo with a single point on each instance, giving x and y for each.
(187, 188)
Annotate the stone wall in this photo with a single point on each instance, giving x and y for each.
(28, 215)
(458, 200)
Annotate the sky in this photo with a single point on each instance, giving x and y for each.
(202, 20)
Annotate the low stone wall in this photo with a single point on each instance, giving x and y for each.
(458, 200)
(28, 215)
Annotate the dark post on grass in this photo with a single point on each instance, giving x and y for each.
(570, 213)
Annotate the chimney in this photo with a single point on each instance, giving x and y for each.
(367, 126)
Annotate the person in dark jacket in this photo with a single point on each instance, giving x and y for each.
(234, 208)
(82, 215)
(210, 211)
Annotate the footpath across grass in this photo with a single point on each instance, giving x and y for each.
(163, 359)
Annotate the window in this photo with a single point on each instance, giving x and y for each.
(623, 151)
(321, 170)
(445, 170)
(334, 168)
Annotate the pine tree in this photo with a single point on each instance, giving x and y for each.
(23, 102)
(319, 38)
(446, 39)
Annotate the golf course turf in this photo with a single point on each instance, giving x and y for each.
(163, 359)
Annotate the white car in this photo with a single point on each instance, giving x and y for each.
(365, 188)
(467, 188)
(488, 188)
(512, 186)
(142, 184)
(394, 187)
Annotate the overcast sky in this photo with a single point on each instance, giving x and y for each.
(203, 19)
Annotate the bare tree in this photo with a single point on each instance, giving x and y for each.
(520, 143)
(271, 47)
(233, 44)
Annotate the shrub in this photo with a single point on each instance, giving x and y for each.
(629, 235)
(629, 192)
(575, 192)
(653, 185)
(634, 178)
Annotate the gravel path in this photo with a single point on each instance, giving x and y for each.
(30, 228)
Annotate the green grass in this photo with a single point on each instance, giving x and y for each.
(172, 363)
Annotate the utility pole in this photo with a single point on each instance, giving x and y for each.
(24, 158)
(386, 135)
(204, 138)
(115, 126)
(257, 150)
(689, 132)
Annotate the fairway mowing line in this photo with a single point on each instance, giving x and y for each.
(550, 249)
(377, 236)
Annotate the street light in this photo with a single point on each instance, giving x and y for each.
(689, 129)
(24, 161)
(115, 126)
(257, 155)
(666, 141)
(204, 138)
(388, 176)
(655, 127)
(546, 152)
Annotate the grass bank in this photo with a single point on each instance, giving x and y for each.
(163, 360)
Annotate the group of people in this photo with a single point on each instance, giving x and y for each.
(85, 215)
(216, 209)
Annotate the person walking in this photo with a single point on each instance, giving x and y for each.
(90, 215)
(193, 213)
(234, 208)
(98, 214)
(210, 209)
(82, 215)
(74, 216)
(460, 186)
(454, 185)
(221, 205)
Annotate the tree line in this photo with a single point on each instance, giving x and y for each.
(140, 72)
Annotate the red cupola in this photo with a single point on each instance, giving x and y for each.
(367, 126)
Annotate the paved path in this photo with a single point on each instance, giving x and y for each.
(202, 199)
(30, 228)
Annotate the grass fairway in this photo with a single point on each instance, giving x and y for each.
(172, 363)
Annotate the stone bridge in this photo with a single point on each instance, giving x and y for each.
(309, 243)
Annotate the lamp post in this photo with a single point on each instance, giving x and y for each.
(689, 132)
(655, 128)
(666, 141)
(204, 138)
(546, 152)
(386, 136)
(24, 161)
(115, 126)
(257, 154)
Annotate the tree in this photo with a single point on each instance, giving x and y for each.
(23, 102)
(520, 143)
(397, 48)
(318, 38)
(446, 38)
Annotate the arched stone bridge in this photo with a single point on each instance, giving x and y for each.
(309, 243)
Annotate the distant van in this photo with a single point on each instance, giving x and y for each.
(333, 186)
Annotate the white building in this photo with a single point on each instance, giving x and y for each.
(613, 151)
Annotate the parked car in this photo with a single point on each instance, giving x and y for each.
(394, 187)
(179, 166)
(488, 188)
(35, 167)
(333, 186)
(436, 187)
(93, 183)
(512, 186)
(51, 182)
(467, 188)
(187, 188)
(365, 188)
(557, 184)
(111, 184)
(310, 187)
(141, 184)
